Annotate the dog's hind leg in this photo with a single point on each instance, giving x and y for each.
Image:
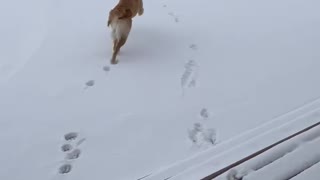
(121, 38)
(117, 47)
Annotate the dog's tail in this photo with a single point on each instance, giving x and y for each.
(119, 13)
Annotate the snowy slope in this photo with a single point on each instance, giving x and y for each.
(240, 63)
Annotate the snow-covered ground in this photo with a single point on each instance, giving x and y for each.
(283, 161)
(222, 69)
(311, 173)
(292, 164)
(234, 149)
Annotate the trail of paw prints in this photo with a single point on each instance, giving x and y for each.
(71, 150)
(200, 134)
(172, 14)
(190, 75)
(91, 83)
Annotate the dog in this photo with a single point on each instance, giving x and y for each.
(120, 20)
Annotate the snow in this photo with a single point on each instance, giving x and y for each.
(245, 62)
(311, 174)
(291, 164)
(286, 159)
(242, 146)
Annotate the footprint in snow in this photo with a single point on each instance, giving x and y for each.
(73, 141)
(189, 76)
(66, 147)
(65, 168)
(106, 68)
(204, 113)
(75, 154)
(71, 150)
(70, 136)
(193, 47)
(90, 83)
(175, 17)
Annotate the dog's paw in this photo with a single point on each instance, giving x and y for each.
(114, 61)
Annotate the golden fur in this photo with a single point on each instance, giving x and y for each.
(120, 20)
